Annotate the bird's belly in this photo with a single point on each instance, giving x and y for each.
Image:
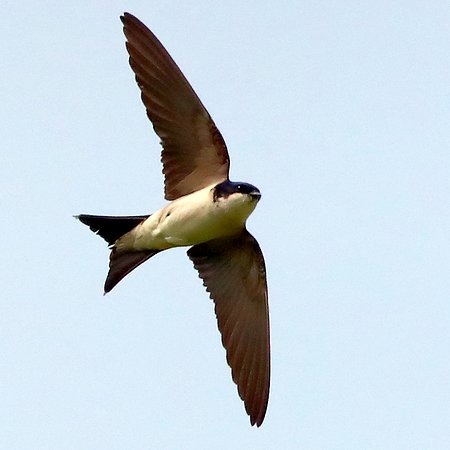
(188, 221)
(190, 226)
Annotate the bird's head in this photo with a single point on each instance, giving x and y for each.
(237, 189)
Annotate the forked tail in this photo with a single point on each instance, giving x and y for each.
(111, 228)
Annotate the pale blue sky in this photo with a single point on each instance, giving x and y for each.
(340, 113)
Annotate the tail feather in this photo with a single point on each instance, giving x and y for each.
(111, 228)
(122, 263)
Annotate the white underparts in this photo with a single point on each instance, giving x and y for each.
(190, 220)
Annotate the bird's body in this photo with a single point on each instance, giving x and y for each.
(189, 220)
(206, 212)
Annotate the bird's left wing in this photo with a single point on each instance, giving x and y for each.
(234, 273)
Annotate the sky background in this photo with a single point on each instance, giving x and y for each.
(340, 113)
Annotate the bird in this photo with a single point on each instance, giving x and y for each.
(205, 212)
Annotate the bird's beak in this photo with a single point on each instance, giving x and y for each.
(255, 195)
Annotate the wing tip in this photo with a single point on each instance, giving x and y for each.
(126, 16)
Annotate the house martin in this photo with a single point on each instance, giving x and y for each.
(206, 212)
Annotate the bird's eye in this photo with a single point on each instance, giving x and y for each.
(239, 187)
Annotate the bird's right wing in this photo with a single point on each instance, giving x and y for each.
(194, 153)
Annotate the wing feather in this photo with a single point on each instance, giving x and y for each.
(194, 153)
(233, 272)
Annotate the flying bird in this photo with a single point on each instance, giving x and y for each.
(206, 212)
